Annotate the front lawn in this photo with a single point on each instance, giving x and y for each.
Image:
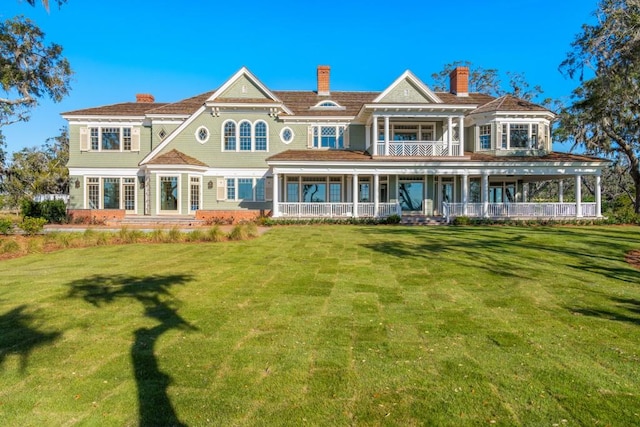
(328, 325)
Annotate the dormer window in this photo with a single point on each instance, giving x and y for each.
(327, 105)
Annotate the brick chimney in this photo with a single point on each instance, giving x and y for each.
(459, 81)
(145, 98)
(324, 72)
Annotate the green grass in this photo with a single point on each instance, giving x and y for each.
(328, 325)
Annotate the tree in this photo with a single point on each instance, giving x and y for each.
(29, 69)
(45, 3)
(38, 170)
(604, 114)
(487, 80)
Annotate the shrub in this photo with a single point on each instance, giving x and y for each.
(10, 247)
(6, 226)
(195, 236)
(157, 235)
(54, 211)
(174, 235)
(32, 226)
(393, 219)
(461, 220)
(215, 234)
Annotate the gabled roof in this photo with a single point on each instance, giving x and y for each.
(508, 103)
(242, 72)
(175, 157)
(186, 106)
(416, 82)
(122, 109)
(300, 102)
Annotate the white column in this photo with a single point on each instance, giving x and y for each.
(386, 135)
(465, 194)
(485, 194)
(376, 195)
(578, 196)
(375, 135)
(367, 136)
(449, 134)
(355, 195)
(275, 212)
(461, 134)
(598, 196)
(561, 191)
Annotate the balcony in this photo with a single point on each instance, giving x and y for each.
(419, 149)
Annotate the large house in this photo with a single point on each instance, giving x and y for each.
(244, 150)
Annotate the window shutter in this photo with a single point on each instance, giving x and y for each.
(135, 139)
(268, 188)
(310, 137)
(221, 189)
(345, 137)
(84, 139)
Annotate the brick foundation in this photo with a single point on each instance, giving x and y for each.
(94, 216)
(230, 217)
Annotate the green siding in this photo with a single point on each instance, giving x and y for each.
(106, 159)
(357, 139)
(251, 90)
(405, 92)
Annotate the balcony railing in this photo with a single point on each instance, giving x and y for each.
(419, 149)
(336, 210)
(520, 210)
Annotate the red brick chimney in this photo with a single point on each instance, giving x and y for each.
(145, 97)
(459, 81)
(324, 72)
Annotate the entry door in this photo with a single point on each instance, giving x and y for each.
(446, 192)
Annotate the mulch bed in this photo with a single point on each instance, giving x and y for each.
(633, 258)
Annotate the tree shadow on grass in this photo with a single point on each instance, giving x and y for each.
(622, 310)
(153, 292)
(20, 336)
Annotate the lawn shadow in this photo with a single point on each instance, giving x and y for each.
(20, 336)
(153, 292)
(623, 310)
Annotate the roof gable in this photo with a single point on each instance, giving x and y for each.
(408, 89)
(175, 157)
(243, 85)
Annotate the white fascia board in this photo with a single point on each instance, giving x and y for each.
(243, 72)
(103, 172)
(173, 135)
(237, 172)
(179, 168)
(525, 114)
(174, 117)
(317, 119)
(77, 120)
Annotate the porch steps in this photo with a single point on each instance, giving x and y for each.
(422, 220)
(181, 221)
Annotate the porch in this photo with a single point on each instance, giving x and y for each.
(338, 210)
(520, 210)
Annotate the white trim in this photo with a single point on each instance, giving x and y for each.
(238, 136)
(316, 119)
(104, 120)
(408, 75)
(200, 194)
(197, 134)
(333, 107)
(293, 135)
(108, 172)
(238, 173)
(172, 136)
(179, 201)
(254, 138)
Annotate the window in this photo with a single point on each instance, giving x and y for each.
(261, 136)
(534, 135)
(485, 137)
(327, 105)
(519, 136)
(111, 193)
(328, 137)
(286, 135)
(194, 193)
(246, 189)
(112, 139)
(168, 193)
(245, 136)
(202, 134)
(250, 137)
(229, 136)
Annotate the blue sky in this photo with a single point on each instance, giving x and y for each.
(175, 50)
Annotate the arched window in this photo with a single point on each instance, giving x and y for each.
(261, 136)
(229, 136)
(245, 136)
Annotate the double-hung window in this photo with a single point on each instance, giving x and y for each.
(109, 138)
(246, 189)
(485, 137)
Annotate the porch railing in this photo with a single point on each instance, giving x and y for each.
(336, 210)
(520, 210)
(419, 149)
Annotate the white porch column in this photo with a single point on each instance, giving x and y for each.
(386, 135)
(461, 135)
(598, 196)
(376, 195)
(449, 134)
(367, 136)
(375, 135)
(485, 194)
(275, 212)
(355, 195)
(561, 191)
(465, 194)
(578, 196)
